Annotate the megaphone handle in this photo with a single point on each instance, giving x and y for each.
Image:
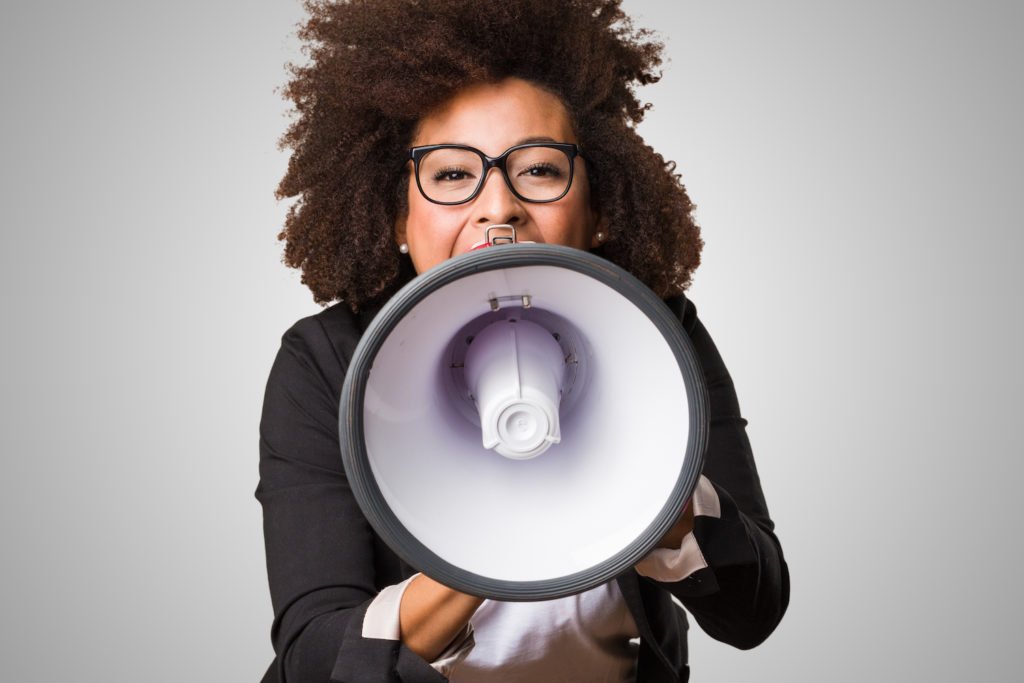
(500, 239)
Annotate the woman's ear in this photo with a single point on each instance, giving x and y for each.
(400, 231)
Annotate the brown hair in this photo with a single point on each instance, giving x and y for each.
(377, 66)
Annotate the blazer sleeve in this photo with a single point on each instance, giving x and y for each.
(319, 547)
(741, 596)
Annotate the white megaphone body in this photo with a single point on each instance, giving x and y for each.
(523, 422)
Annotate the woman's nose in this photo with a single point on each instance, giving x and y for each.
(496, 203)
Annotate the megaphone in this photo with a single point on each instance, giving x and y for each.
(523, 422)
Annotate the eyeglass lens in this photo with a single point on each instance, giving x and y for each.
(536, 173)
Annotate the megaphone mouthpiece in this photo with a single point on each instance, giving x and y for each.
(500, 233)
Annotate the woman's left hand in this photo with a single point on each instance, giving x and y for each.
(683, 526)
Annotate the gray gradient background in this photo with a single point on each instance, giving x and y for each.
(853, 165)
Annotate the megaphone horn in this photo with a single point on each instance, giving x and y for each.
(523, 422)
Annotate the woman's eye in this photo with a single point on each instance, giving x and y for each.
(541, 171)
(451, 175)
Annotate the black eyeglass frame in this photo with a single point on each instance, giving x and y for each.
(571, 150)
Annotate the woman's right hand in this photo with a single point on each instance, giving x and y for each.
(431, 615)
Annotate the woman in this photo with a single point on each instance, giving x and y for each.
(399, 106)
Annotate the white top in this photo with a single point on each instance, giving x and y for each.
(586, 638)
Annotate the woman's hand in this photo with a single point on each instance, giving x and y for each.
(431, 615)
(683, 526)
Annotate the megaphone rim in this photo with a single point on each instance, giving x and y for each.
(357, 464)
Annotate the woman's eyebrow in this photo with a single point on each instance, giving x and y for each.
(526, 141)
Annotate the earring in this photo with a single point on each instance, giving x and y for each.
(600, 237)
(404, 248)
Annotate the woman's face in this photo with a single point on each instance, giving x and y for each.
(493, 117)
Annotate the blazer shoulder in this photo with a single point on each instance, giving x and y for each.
(332, 333)
(685, 310)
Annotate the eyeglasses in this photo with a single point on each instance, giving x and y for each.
(537, 172)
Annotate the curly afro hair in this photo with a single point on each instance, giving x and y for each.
(376, 67)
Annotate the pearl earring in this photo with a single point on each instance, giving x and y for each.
(404, 248)
(600, 237)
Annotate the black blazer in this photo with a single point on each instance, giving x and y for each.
(325, 564)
